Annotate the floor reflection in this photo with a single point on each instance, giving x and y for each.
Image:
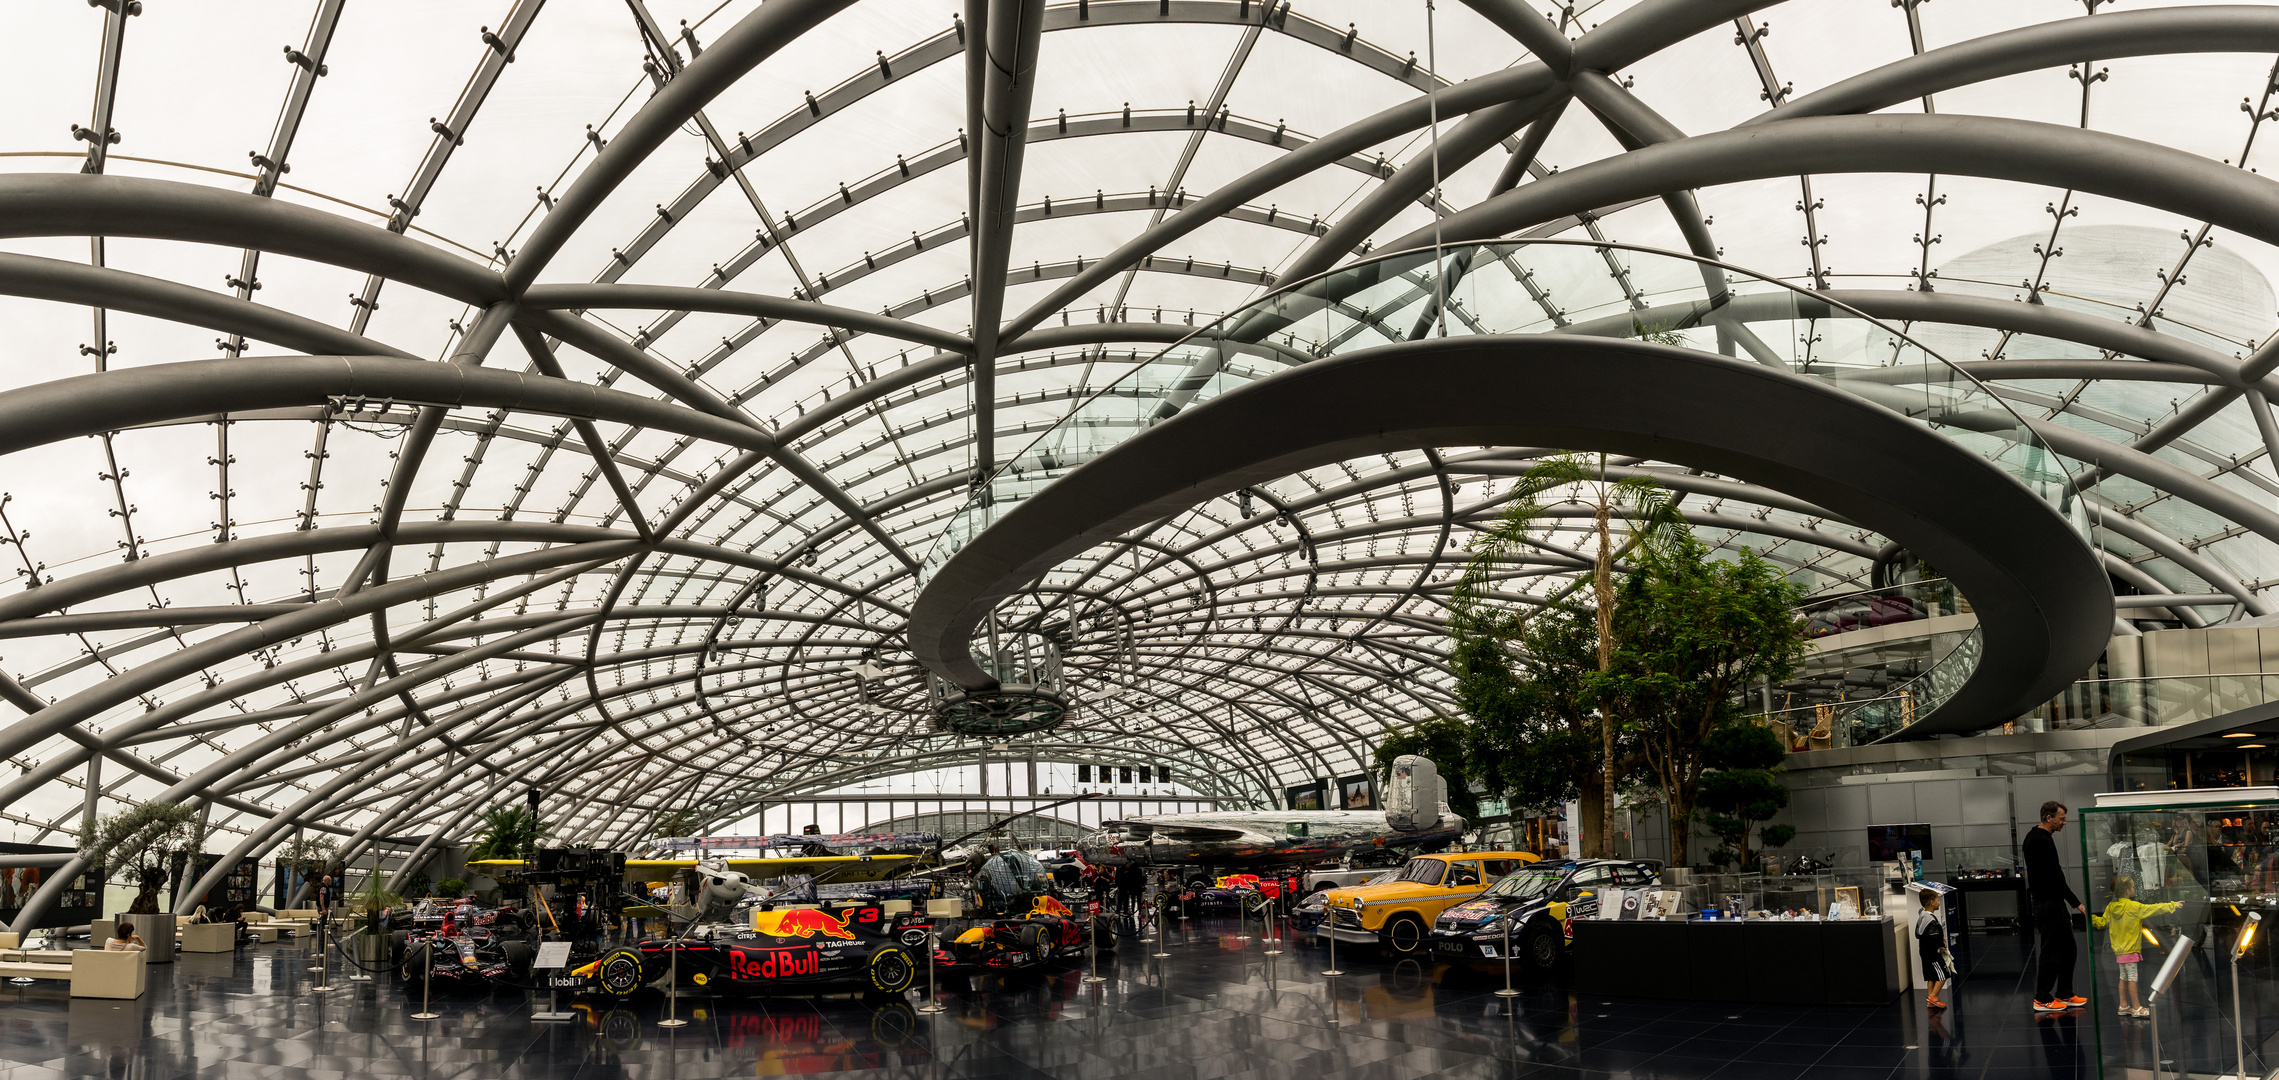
(1216, 1006)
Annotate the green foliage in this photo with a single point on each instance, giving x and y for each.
(1695, 633)
(1662, 334)
(678, 823)
(1530, 686)
(451, 887)
(144, 833)
(1536, 740)
(1741, 788)
(507, 832)
(1777, 835)
(309, 854)
(418, 884)
(145, 844)
(1445, 742)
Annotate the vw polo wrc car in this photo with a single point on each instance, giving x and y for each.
(1395, 913)
(1534, 909)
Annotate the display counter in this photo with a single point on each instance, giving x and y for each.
(1847, 962)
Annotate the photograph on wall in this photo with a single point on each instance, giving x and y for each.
(1312, 796)
(1356, 793)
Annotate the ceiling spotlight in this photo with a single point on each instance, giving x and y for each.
(2251, 746)
(2239, 735)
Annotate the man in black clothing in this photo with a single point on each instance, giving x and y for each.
(2053, 903)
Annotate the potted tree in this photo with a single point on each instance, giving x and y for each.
(149, 843)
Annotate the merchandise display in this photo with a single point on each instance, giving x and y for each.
(2180, 886)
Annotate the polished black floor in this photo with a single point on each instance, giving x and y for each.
(1216, 1007)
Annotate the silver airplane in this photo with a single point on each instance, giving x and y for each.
(1416, 815)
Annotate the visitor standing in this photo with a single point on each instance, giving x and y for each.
(2053, 903)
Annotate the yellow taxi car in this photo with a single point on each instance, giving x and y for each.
(1396, 914)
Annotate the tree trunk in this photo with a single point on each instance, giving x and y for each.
(1590, 818)
(1602, 582)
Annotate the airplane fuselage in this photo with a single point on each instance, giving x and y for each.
(1256, 838)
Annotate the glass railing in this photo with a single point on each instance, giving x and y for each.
(1532, 287)
(1912, 601)
(1856, 721)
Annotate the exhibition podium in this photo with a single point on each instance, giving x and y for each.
(1847, 962)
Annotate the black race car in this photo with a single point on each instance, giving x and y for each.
(466, 947)
(859, 943)
(1534, 906)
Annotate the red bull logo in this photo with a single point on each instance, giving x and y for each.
(1047, 905)
(788, 963)
(801, 923)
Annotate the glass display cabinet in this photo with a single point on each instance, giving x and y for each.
(2194, 875)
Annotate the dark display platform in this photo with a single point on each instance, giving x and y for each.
(1855, 962)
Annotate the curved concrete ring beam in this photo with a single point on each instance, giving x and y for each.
(2043, 601)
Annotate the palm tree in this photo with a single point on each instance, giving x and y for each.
(507, 832)
(1647, 516)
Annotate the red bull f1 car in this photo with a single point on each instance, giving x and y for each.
(1046, 933)
(464, 947)
(859, 944)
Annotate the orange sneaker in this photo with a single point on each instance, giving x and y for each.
(2076, 1001)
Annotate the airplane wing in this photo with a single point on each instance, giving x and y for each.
(841, 867)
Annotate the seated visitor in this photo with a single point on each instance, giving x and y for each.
(124, 939)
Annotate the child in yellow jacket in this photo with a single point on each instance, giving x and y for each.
(2123, 921)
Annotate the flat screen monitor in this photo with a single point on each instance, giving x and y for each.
(1886, 842)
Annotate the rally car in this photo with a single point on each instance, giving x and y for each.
(1533, 908)
(860, 944)
(464, 946)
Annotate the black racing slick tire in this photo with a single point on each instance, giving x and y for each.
(623, 973)
(396, 944)
(415, 961)
(1403, 935)
(891, 970)
(519, 955)
(1035, 943)
(1541, 945)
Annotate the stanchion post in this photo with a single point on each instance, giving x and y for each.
(1330, 931)
(1092, 934)
(1241, 919)
(1507, 991)
(673, 988)
(426, 981)
(1273, 937)
(933, 1000)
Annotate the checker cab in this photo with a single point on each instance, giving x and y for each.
(1395, 913)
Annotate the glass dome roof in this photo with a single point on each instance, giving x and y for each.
(378, 613)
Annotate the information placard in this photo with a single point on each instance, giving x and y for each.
(552, 954)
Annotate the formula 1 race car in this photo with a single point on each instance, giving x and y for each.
(1047, 932)
(859, 944)
(461, 948)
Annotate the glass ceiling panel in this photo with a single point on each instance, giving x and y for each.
(1239, 663)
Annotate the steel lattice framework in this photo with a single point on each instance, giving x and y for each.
(626, 533)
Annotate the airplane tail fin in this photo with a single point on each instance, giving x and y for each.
(1417, 799)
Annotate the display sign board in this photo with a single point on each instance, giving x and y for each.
(552, 954)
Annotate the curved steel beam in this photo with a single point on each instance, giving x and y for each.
(590, 296)
(88, 204)
(96, 286)
(754, 38)
(2034, 582)
(2225, 29)
(1999, 149)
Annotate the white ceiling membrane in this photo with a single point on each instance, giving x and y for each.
(682, 299)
